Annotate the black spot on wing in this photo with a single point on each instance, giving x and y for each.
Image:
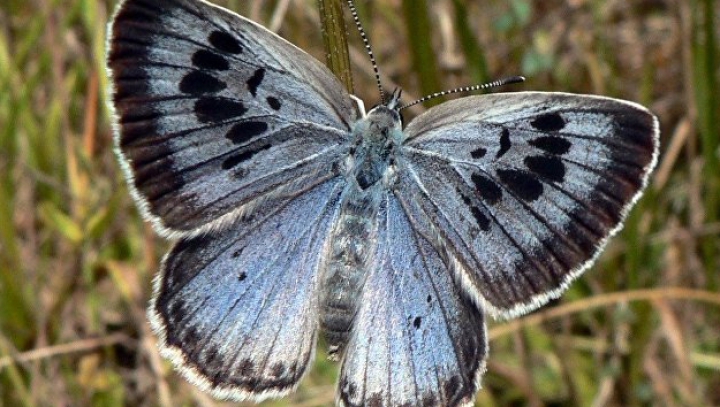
(504, 143)
(352, 389)
(552, 144)
(363, 180)
(482, 221)
(548, 122)
(237, 159)
(200, 83)
(218, 109)
(488, 190)
(242, 276)
(274, 103)
(225, 42)
(255, 81)
(417, 322)
(551, 168)
(205, 59)
(245, 131)
(478, 152)
(521, 183)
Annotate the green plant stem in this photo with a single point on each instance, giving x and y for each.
(334, 33)
(419, 31)
(708, 105)
(474, 57)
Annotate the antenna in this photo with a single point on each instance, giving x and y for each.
(500, 82)
(355, 17)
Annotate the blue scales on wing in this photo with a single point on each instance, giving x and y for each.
(215, 111)
(236, 310)
(523, 189)
(417, 340)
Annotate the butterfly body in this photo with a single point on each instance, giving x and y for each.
(293, 216)
(368, 175)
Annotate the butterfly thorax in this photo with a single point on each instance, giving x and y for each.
(369, 174)
(377, 137)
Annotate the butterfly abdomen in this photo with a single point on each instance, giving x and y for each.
(346, 268)
(352, 249)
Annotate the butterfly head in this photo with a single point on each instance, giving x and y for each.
(385, 119)
(383, 122)
(377, 136)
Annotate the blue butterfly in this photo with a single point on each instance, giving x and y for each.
(297, 213)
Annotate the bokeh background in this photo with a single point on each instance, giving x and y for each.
(641, 328)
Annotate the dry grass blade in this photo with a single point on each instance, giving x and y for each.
(80, 346)
(604, 300)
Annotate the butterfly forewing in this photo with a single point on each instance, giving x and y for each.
(417, 340)
(214, 111)
(523, 189)
(236, 310)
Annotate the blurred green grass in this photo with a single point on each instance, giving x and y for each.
(639, 329)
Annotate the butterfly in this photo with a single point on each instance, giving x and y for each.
(297, 214)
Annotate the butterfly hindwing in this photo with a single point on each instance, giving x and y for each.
(417, 340)
(213, 111)
(525, 188)
(236, 310)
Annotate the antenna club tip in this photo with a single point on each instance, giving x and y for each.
(500, 82)
(515, 79)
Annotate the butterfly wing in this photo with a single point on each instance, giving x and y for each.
(416, 340)
(524, 189)
(236, 310)
(213, 111)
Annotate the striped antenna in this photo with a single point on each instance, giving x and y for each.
(494, 84)
(355, 17)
